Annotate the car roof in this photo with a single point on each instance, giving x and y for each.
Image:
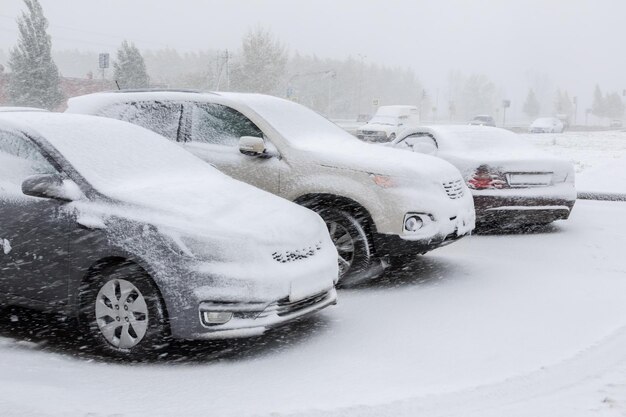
(92, 103)
(9, 109)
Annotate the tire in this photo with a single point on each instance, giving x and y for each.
(122, 313)
(352, 242)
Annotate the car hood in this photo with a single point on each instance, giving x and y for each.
(383, 160)
(228, 211)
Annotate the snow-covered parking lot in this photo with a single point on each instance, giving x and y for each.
(492, 323)
(496, 325)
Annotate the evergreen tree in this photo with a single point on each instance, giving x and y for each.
(263, 62)
(531, 105)
(130, 68)
(598, 108)
(34, 79)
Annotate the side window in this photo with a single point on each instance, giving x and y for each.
(19, 159)
(162, 118)
(220, 125)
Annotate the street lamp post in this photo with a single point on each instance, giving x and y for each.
(360, 86)
(505, 105)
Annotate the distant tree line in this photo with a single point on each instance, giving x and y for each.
(263, 64)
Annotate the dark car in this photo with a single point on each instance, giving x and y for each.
(141, 241)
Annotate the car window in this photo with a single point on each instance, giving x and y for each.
(220, 125)
(162, 118)
(19, 159)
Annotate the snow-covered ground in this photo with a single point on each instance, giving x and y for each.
(599, 157)
(499, 325)
(515, 325)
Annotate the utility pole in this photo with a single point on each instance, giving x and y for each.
(331, 76)
(360, 87)
(227, 58)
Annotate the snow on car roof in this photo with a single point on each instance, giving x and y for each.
(21, 109)
(93, 103)
(107, 152)
(468, 138)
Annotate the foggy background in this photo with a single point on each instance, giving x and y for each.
(545, 45)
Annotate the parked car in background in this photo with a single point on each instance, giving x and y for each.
(616, 123)
(142, 241)
(483, 120)
(377, 202)
(546, 125)
(512, 183)
(388, 122)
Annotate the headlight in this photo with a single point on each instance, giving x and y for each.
(413, 224)
(383, 181)
(199, 248)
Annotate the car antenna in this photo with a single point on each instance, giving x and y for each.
(118, 85)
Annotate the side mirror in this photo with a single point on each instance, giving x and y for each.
(251, 145)
(51, 186)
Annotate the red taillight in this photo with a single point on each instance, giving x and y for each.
(485, 179)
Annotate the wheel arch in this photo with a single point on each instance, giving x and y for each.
(321, 201)
(113, 262)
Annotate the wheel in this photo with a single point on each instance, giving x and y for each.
(122, 312)
(352, 243)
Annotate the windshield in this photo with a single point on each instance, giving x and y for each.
(544, 122)
(385, 120)
(299, 125)
(113, 155)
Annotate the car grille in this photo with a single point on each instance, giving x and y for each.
(454, 189)
(296, 255)
(285, 307)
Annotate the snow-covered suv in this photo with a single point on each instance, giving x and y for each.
(377, 202)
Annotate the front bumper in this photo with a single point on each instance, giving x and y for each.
(249, 320)
(394, 246)
(448, 230)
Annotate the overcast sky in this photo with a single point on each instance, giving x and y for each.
(576, 43)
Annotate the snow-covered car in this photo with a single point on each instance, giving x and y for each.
(142, 241)
(388, 122)
(20, 109)
(377, 202)
(616, 123)
(546, 125)
(513, 184)
(483, 120)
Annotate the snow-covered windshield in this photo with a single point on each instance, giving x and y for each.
(111, 154)
(385, 120)
(544, 122)
(299, 125)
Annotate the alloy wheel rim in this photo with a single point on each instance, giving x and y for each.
(121, 313)
(344, 244)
